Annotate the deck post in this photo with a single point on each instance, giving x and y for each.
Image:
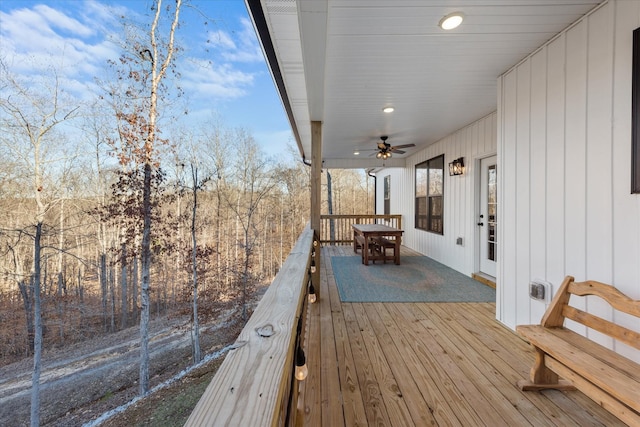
(316, 199)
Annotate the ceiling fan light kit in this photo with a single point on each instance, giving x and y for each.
(385, 149)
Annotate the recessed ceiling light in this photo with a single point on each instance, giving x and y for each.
(388, 109)
(451, 21)
(356, 153)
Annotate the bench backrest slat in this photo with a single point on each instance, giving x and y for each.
(559, 309)
(606, 327)
(617, 299)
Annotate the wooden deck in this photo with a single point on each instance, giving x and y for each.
(423, 364)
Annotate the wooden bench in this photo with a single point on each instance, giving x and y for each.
(382, 244)
(358, 243)
(607, 377)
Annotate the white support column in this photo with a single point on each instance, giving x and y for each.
(316, 199)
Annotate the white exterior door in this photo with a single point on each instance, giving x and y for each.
(488, 216)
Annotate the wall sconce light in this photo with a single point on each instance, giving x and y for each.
(312, 294)
(301, 365)
(456, 167)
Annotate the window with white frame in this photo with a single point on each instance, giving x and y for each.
(429, 209)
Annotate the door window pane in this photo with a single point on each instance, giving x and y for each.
(492, 211)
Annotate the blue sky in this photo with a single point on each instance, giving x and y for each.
(223, 69)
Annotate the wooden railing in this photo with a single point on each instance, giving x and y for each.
(255, 385)
(336, 229)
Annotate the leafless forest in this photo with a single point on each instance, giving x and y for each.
(245, 217)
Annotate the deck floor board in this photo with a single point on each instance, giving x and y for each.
(423, 364)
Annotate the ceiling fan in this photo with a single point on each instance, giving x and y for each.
(385, 149)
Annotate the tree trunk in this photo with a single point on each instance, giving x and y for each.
(217, 239)
(332, 231)
(134, 289)
(124, 309)
(37, 347)
(194, 265)
(156, 79)
(103, 287)
(62, 287)
(112, 300)
(27, 297)
(282, 234)
(245, 271)
(144, 291)
(59, 305)
(177, 276)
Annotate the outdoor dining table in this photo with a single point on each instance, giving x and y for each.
(372, 237)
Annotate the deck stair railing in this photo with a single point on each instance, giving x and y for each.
(336, 229)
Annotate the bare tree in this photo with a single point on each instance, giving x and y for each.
(33, 114)
(197, 185)
(254, 180)
(217, 140)
(144, 67)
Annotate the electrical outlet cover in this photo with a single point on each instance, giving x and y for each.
(540, 290)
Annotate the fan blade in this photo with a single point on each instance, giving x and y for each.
(403, 146)
(396, 151)
(381, 145)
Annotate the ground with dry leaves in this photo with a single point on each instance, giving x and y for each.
(83, 381)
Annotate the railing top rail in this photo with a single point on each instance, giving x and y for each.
(337, 228)
(252, 384)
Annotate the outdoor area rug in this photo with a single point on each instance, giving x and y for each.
(417, 279)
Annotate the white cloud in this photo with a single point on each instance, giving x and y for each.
(250, 47)
(34, 41)
(204, 79)
(241, 46)
(221, 40)
(59, 20)
(99, 14)
(223, 68)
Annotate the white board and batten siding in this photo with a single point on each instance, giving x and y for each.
(472, 142)
(562, 133)
(564, 147)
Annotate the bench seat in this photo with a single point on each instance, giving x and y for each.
(386, 243)
(382, 244)
(606, 376)
(359, 243)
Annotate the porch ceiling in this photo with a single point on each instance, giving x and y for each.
(341, 61)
